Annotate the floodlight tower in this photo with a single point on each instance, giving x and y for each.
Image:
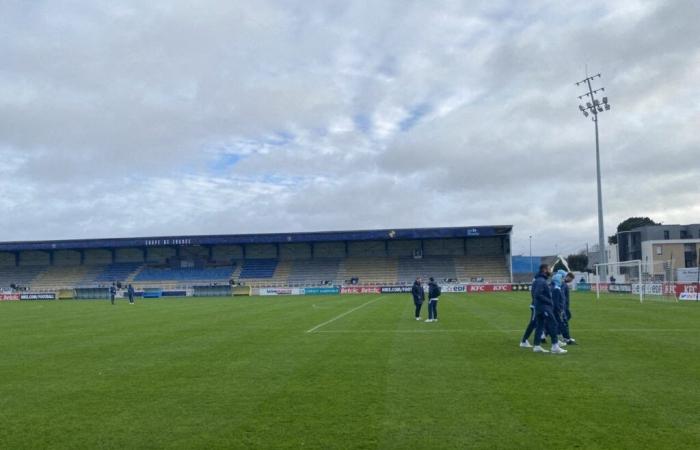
(594, 107)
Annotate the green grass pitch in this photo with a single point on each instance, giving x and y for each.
(345, 372)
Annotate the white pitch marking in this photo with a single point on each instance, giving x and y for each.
(473, 331)
(311, 330)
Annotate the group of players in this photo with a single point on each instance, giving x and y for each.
(550, 313)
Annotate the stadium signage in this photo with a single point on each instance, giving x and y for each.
(38, 296)
(453, 288)
(521, 287)
(394, 289)
(620, 288)
(475, 288)
(322, 290)
(154, 242)
(687, 288)
(359, 290)
(9, 297)
(281, 291)
(689, 296)
(583, 287)
(502, 288)
(650, 289)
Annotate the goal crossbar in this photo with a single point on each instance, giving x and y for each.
(633, 263)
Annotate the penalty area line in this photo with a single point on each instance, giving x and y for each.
(311, 330)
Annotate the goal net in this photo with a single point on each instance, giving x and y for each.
(636, 280)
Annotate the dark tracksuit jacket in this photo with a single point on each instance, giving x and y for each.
(433, 290)
(542, 295)
(418, 293)
(567, 298)
(418, 296)
(557, 301)
(544, 309)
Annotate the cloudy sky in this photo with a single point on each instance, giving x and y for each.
(137, 118)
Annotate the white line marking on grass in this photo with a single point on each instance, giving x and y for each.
(427, 330)
(311, 330)
(473, 331)
(647, 330)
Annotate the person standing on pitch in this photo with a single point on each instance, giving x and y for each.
(531, 325)
(566, 314)
(558, 302)
(112, 292)
(130, 291)
(544, 312)
(433, 297)
(418, 296)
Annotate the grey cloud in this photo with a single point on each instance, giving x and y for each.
(114, 117)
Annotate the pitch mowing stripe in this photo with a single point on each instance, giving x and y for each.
(311, 330)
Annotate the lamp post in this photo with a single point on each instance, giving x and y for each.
(531, 269)
(594, 107)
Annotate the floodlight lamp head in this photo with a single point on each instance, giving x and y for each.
(585, 114)
(596, 102)
(605, 99)
(600, 109)
(607, 107)
(581, 107)
(589, 104)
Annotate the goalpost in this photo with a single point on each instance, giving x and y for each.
(624, 275)
(645, 281)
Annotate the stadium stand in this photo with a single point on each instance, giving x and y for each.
(117, 272)
(167, 274)
(374, 257)
(369, 270)
(481, 268)
(430, 266)
(314, 271)
(61, 277)
(258, 268)
(19, 275)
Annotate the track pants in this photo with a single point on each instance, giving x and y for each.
(564, 324)
(418, 307)
(531, 325)
(432, 308)
(546, 322)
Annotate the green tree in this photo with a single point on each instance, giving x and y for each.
(629, 224)
(578, 262)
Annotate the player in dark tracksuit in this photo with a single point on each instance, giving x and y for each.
(112, 293)
(130, 291)
(418, 294)
(566, 314)
(433, 297)
(544, 312)
(558, 302)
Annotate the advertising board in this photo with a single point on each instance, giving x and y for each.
(360, 290)
(38, 296)
(326, 290)
(477, 288)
